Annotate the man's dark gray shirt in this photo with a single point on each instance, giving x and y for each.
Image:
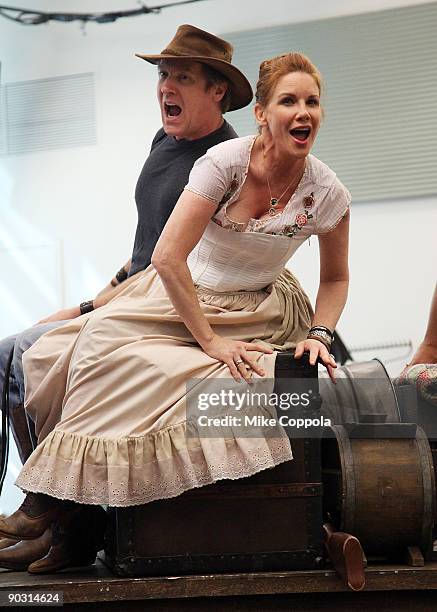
(161, 182)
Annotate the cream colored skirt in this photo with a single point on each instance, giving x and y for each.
(107, 392)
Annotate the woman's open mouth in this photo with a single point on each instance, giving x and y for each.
(172, 110)
(301, 134)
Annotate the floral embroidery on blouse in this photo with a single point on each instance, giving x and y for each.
(230, 192)
(308, 200)
(228, 224)
(300, 220)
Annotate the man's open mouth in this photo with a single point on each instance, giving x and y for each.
(172, 110)
(301, 133)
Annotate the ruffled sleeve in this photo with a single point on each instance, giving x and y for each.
(209, 179)
(333, 207)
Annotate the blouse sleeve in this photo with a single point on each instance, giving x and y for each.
(208, 179)
(333, 207)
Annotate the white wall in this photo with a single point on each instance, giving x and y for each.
(80, 201)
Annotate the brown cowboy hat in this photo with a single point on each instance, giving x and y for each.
(194, 44)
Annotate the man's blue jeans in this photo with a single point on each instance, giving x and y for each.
(20, 343)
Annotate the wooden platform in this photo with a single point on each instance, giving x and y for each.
(388, 587)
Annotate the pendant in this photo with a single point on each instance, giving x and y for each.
(273, 203)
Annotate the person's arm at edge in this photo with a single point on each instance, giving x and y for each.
(427, 351)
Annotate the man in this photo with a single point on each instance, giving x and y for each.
(196, 84)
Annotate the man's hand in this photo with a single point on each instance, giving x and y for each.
(62, 315)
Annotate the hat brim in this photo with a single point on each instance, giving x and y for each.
(240, 88)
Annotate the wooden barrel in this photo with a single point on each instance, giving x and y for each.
(381, 489)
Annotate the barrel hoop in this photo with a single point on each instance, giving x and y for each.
(428, 480)
(348, 479)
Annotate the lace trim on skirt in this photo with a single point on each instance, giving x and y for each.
(137, 470)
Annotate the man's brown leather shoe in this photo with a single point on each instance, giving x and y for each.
(77, 537)
(6, 542)
(19, 556)
(63, 553)
(60, 557)
(32, 518)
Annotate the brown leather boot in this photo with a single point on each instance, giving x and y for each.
(77, 537)
(60, 557)
(32, 518)
(19, 556)
(6, 542)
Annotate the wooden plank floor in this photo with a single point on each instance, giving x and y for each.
(83, 588)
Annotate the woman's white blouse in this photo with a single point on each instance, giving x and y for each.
(234, 256)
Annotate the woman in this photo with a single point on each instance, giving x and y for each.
(110, 409)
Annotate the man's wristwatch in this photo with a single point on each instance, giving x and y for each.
(86, 307)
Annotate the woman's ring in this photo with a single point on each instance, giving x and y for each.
(238, 362)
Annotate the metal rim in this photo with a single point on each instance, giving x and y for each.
(391, 387)
(428, 484)
(347, 477)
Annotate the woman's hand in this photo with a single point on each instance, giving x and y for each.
(236, 355)
(317, 350)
